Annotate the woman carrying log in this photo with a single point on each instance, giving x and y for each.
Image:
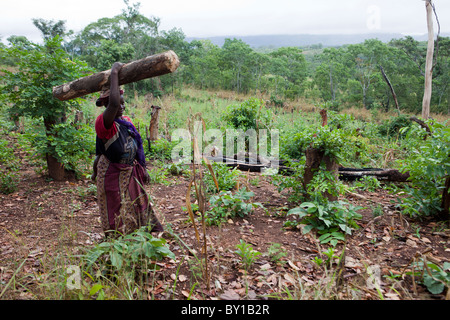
(120, 166)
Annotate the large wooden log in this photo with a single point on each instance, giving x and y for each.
(151, 66)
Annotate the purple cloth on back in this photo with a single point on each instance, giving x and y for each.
(140, 155)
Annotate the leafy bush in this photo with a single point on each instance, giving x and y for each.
(225, 205)
(8, 169)
(251, 114)
(368, 183)
(69, 144)
(428, 164)
(8, 181)
(28, 89)
(128, 252)
(323, 181)
(392, 127)
(161, 149)
(226, 178)
(332, 220)
(341, 144)
(292, 182)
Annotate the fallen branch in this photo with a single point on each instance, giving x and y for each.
(259, 164)
(421, 123)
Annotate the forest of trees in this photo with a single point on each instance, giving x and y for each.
(346, 75)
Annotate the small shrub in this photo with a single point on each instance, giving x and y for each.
(8, 169)
(276, 253)
(428, 165)
(157, 175)
(226, 178)
(247, 254)
(128, 252)
(162, 149)
(434, 277)
(368, 183)
(8, 181)
(332, 220)
(251, 114)
(225, 205)
(392, 127)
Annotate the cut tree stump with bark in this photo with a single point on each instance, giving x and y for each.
(314, 157)
(151, 66)
(152, 131)
(154, 123)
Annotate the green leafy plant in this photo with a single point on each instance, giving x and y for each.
(8, 169)
(247, 254)
(434, 277)
(226, 178)
(250, 114)
(176, 169)
(330, 256)
(161, 149)
(29, 91)
(394, 127)
(67, 143)
(157, 175)
(332, 220)
(276, 253)
(324, 182)
(293, 182)
(129, 251)
(8, 181)
(428, 165)
(368, 183)
(227, 205)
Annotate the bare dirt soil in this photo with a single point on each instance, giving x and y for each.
(44, 217)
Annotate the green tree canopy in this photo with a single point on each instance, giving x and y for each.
(29, 87)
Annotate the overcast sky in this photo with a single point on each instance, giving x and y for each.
(200, 18)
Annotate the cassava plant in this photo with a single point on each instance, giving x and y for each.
(428, 165)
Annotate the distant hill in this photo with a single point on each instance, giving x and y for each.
(304, 40)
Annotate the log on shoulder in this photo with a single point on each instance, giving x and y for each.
(151, 66)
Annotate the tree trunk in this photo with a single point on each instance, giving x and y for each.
(429, 62)
(323, 114)
(148, 67)
(351, 174)
(391, 88)
(55, 169)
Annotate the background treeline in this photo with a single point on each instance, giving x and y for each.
(340, 76)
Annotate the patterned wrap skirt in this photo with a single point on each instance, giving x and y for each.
(123, 203)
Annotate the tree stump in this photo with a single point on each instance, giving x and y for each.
(314, 158)
(154, 123)
(151, 132)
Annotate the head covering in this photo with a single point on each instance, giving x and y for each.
(104, 97)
